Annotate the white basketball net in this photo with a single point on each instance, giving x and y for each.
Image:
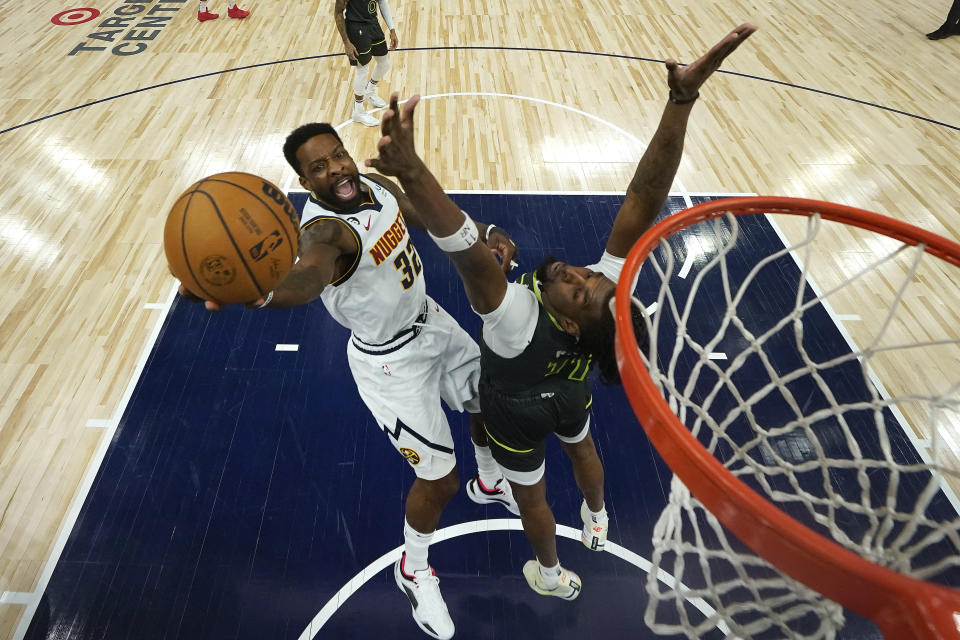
(840, 464)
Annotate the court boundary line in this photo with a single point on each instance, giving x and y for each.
(620, 56)
(110, 426)
(376, 567)
(915, 441)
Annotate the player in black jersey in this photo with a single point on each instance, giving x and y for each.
(541, 335)
(362, 39)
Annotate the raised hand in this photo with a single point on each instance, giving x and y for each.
(398, 155)
(685, 82)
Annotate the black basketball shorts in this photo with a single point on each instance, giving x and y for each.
(368, 39)
(518, 425)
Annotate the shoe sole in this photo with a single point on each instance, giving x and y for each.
(477, 495)
(401, 584)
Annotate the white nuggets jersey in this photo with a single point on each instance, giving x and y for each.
(383, 291)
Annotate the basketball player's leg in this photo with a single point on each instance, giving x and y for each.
(381, 64)
(459, 358)
(233, 11)
(401, 390)
(360, 37)
(538, 521)
(588, 472)
(521, 453)
(544, 574)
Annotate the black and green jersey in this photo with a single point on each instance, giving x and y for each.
(541, 391)
(363, 11)
(551, 360)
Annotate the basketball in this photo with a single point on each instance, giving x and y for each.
(231, 237)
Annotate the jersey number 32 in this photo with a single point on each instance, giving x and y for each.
(407, 263)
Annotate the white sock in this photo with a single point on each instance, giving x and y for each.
(416, 545)
(487, 467)
(203, 7)
(550, 575)
(598, 516)
(358, 105)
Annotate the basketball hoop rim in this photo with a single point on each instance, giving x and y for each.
(900, 605)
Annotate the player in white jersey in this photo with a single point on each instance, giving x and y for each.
(405, 352)
(540, 337)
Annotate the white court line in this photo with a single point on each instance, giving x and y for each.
(483, 526)
(693, 250)
(15, 597)
(80, 495)
(716, 355)
(485, 94)
(287, 347)
(901, 420)
(848, 317)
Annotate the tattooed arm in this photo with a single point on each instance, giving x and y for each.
(348, 47)
(325, 250)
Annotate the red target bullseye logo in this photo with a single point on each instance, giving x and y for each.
(75, 16)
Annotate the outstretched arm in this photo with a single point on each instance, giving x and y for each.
(497, 239)
(483, 279)
(651, 182)
(321, 246)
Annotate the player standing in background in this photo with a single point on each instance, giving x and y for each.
(362, 39)
(541, 335)
(203, 14)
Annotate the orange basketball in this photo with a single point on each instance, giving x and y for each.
(231, 237)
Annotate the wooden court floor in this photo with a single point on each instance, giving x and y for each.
(103, 123)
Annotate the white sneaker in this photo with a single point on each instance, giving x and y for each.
(568, 588)
(375, 100)
(594, 534)
(361, 116)
(423, 590)
(499, 494)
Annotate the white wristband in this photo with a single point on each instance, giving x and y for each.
(461, 239)
(266, 300)
(385, 12)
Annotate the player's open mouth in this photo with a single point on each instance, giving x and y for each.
(345, 189)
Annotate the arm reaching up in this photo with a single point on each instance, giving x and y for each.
(651, 182)
(455, 233)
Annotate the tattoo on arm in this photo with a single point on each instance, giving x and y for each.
(321, 245)
(338, 10)
(303, 284)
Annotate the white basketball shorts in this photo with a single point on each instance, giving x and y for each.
(403, 381)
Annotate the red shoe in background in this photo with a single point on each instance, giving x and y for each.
(203, 16)
(237, 12)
